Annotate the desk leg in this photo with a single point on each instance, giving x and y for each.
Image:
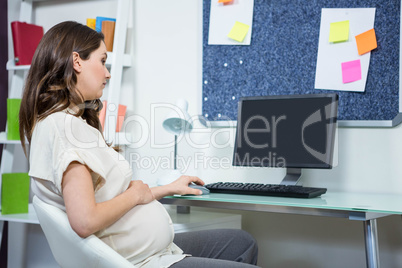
(370, 237)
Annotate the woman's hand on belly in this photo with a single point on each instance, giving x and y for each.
(86, 216)
(141, 191)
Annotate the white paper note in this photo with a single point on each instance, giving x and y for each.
(332, 55)
(223, 18)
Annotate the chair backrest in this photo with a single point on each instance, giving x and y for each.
(68, 248)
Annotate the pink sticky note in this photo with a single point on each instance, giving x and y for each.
(351, 71)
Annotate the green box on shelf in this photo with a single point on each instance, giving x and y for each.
(14, 193)
(13, 110)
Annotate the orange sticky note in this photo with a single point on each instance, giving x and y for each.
(366, 42)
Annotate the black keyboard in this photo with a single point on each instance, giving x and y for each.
(265, 189)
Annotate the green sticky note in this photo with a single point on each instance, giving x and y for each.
(14, 193)
(13, 110)
(339, 31)
(238, 31)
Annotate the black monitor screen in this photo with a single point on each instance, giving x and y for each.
(292, 131)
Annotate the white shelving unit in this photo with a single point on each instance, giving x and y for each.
(117, 60)
(13, 158)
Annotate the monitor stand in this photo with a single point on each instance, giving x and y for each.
(292, 176)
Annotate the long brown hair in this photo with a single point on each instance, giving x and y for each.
(51, 82)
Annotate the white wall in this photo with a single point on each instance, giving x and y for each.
(166, 42)
(368, 159)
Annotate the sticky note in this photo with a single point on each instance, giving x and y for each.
(339, 31)
(366, 42)
(351, 71)
(239, 31)
(225, 1)
(14, 193)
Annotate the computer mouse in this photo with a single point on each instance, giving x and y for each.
(199, 187)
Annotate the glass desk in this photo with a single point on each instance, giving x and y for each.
(353, 206)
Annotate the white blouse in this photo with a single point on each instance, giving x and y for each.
(144, 235)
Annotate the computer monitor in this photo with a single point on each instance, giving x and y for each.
(286, 131)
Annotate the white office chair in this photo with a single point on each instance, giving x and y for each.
(68, 248)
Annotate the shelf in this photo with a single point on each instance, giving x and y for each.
(4, 140)
(12, 67)
(196, 220)
(120, 138)
(126, 59)
(29, 217)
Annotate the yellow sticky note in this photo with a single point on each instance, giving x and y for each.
(339, 31)
(239, 31)
(224, 1)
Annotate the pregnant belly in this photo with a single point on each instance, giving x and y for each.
(141, 232)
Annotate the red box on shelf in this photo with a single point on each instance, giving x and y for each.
(26, 38)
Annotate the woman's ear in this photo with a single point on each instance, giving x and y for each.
(77, 62)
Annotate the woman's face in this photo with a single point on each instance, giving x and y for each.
(92, 74)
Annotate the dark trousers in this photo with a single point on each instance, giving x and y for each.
(221, 248)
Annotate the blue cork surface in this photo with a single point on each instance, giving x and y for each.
(282, 59)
